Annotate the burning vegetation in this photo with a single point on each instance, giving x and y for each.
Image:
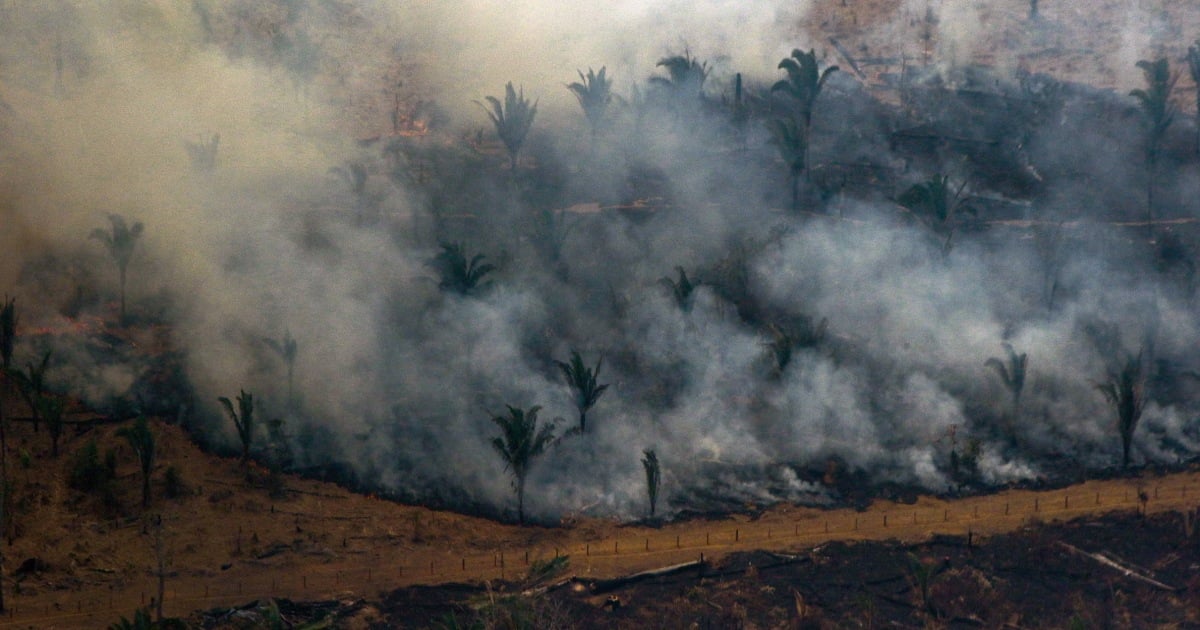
(802, 268)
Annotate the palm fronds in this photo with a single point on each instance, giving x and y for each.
(243, 422)
(804, 81)
(582, 381)
(937, 204)
(513, 118)
(519, 443)
(1012, 375)
(685, 74)
(682, 290)
(460, 274)
(594, 93)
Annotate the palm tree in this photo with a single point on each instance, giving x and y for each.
(286, 348)
(512, 119)
(141, 440)
(51, 409)
(792, 141)
(582, 380)
(1012, 374)
(1157, 113)
(8, 331)
(802, 86)
(1194, 66)
(1126, 391)
(120, 242)
(936, 204)
(650, 464)
(32, 385)
(685, 74)
(682, 290)
(459, 274)
(243, 422)
(520, 441)
(594, 93)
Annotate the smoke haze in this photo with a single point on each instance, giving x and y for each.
(395, 379)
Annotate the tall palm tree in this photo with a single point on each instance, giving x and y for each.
(520, 441)
(512, 119)
(653, 477)
(243, 422)
(1157, 113)
(582, 381)
(791, 139)
(1012, 374)
(685, 74)
(141, 440)
(802, 86)
(120, 242)
(594, 93)
(1126, 392)
(459, 274)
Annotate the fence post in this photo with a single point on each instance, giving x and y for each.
(737, 535)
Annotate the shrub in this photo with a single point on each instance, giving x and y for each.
(173, 485)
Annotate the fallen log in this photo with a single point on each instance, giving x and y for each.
(605, 586)
(1108, 561)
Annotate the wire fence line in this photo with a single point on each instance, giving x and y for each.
(604, 557)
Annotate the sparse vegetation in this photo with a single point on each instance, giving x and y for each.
(521, 441)
(120, 241)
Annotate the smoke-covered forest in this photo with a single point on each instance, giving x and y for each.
(778, 263)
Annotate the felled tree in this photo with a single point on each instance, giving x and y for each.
(459, 274)
(594, 93)
(243, 421)
(653, 478)
(141, 440)
(1125, 391)
(582, 381)
(1157, 114)
(512, 119)
(519, 443)
(120, 242)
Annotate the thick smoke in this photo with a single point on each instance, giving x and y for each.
(350, 148)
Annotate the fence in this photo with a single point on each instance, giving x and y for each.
(610, 557)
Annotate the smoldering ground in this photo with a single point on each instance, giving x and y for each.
(845, 337)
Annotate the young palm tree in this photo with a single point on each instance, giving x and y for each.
(1126, 391)
(936, 204)
(653, 477)
(32, 385)
(120, 242)
(582, 380)
(594, 93)
(682, 290)
(51, 408)
(1012, 374)
(286, 348)
(802, 86)
(459, 274)
(1194, 66)
(8, 331)
(243, 422)
(512, 119)
(1157, 113)
(520, 441)
(141, 440)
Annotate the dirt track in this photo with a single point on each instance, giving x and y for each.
(597, 549)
